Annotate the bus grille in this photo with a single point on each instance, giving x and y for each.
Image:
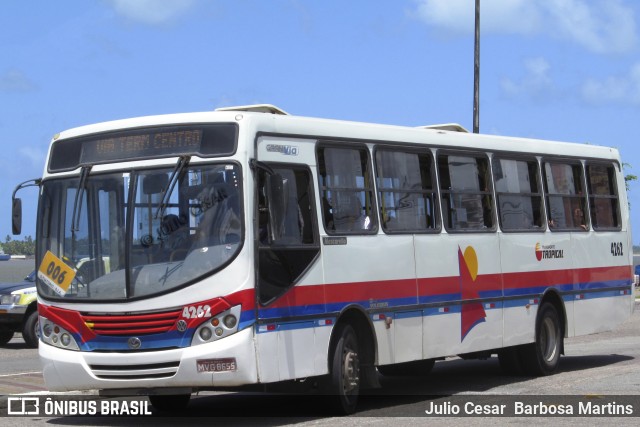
(135, 372)
(133, 324)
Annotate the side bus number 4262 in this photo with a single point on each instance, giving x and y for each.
(193, 312)
(616, 249)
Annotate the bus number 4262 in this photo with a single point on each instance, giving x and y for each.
(616, 248)
(194, 312)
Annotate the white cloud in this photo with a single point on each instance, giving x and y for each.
(622, 90)
(511, 16)
(35, 156)
(151, 11)
(601, 26)
(536, 82)
(16, 81)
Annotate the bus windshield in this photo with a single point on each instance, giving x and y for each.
(134, 234)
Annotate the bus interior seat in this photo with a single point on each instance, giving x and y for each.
(347, 213)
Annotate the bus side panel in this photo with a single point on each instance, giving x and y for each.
(296, 349)
(528, 272)
(459, 267)
(377, 273)
(267, 350)
(288, 348)
(600, 266)
(518, 256)
(385, 338)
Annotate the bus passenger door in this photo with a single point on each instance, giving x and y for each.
(288, 247)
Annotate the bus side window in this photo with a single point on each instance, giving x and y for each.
(566, 199)
(603, 197)
(467, 199)
(406, 190)
(346, 190)
(519, 195)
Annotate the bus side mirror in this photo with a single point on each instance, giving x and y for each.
(16, 205)
(16, 216)
(277, 194)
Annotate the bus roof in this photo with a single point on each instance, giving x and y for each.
(269, 119)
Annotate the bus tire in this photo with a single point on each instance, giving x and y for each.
(509, 359)
(419, 368)
(30, 332)
(170, 402)
(542, 357)
(344, 377)
(5, 335)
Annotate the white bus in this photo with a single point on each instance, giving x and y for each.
(210, 250)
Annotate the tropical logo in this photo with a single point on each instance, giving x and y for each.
(538, 251)
(472, 314)
(548, 252)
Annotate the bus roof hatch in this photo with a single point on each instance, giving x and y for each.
(453, 127)
(256, 108)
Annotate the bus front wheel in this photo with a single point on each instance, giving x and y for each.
(542, 357)
(31, 330)
(344, 379)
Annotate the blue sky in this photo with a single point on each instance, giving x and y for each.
(551, 69)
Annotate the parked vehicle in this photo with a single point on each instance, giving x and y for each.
(19, 311)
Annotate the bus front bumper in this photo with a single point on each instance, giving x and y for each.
(224, 363)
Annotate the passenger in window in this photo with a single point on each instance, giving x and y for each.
(578, 219)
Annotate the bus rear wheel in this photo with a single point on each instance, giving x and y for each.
(542, 357)
(344, 380)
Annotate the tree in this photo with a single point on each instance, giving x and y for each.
(19, 247)
(629, 177)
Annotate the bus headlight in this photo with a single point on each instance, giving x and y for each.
(56, 335)
(219, 326)
(230, 321)
(205, 333)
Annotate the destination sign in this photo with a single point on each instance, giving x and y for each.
(145, 145)
(206, 140)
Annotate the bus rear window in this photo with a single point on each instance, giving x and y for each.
(603, 197)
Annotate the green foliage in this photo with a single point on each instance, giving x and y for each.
(629, 177)
(19, 247)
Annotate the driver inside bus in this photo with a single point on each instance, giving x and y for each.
(174, 235)
(219, 222)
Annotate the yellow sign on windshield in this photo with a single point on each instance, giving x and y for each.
(56, 274)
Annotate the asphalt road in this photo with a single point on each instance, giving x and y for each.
(606, 364)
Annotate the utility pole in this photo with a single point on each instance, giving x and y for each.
(476, 73)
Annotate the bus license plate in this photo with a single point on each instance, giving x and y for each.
(217, 365)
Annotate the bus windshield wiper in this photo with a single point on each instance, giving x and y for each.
(75, 217)
(183, 161)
